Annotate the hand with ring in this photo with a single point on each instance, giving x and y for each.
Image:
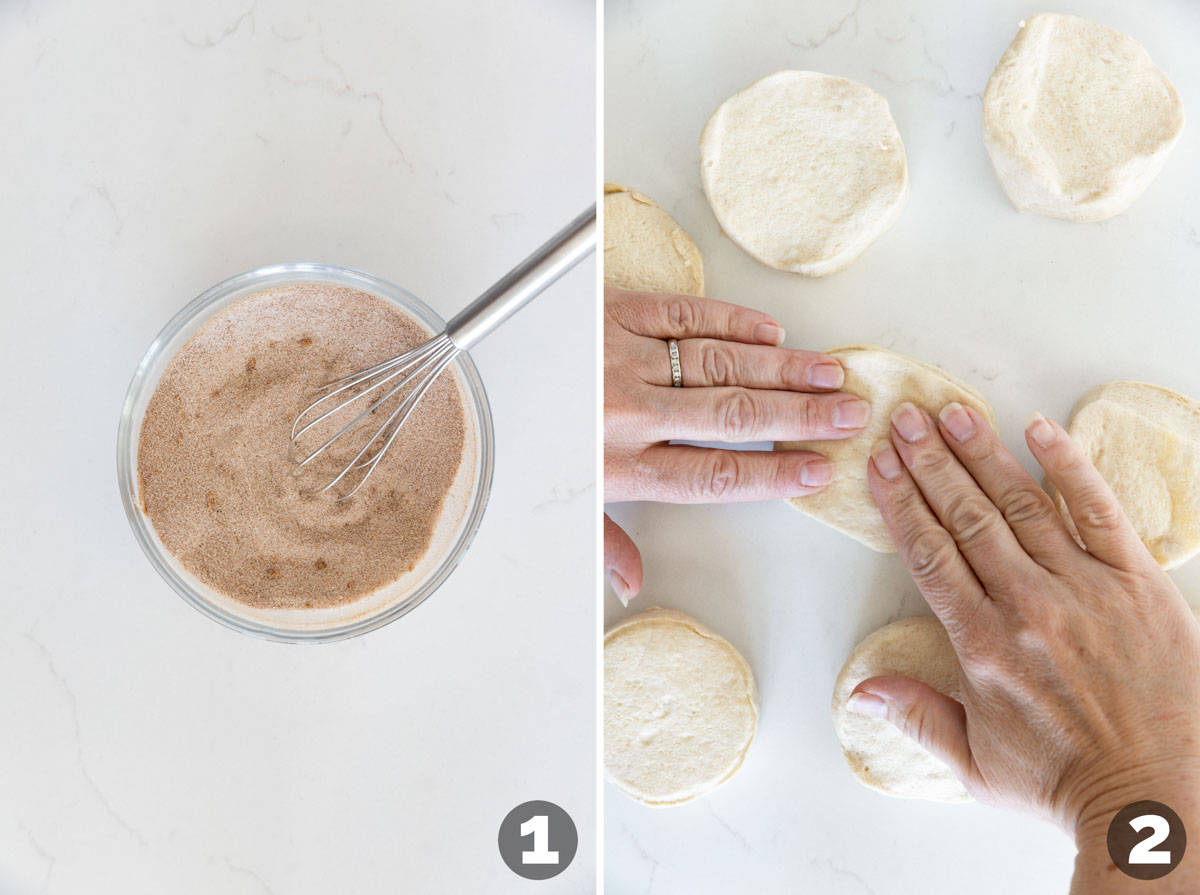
(678, 367)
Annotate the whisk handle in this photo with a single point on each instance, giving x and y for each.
(515, 289)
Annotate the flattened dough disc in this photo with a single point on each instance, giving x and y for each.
(886, 379)
(680, 708)
(1077, 119)
(1145, 441)
(644, 249)
(804, 170)
(880, 755)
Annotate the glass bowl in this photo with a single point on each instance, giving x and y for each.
(467, 496)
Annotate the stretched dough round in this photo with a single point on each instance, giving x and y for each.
(644, 249)
(879, 754)
(804, 170)
(680, 707)
(886, 379)
(1077, 119)
(1145, 441)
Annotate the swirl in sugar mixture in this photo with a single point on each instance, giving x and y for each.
(215, 477)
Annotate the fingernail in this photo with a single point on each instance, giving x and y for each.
(864, 703)
(957, 421)
(769, 333)
(816, 473)
(851, 414)
(1042, 431)
(909, 422)
(887, 461)
(620, 587)
(826, 375)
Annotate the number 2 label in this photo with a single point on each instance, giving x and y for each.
(1142, 853)
(538, 827)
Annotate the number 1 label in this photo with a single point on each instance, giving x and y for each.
(538, 827)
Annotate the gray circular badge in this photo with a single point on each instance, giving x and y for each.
(537, 840)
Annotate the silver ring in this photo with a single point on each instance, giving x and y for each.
(676, 370)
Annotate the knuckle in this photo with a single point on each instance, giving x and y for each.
(933, 463)
(681, 314)
(781, 475)
(979, 448)
(1024, 505)
(724, 475)
(812, 413)
(717, 364)
(914, 721)
(970, 516)
(907, 509)
(793, 368)
(738, 416)
(1041, 629)
(929, 553)
(1099, 514)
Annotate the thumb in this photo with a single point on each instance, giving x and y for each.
(622, 562)
(933, 719)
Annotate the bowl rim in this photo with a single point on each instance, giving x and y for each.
(290, 273)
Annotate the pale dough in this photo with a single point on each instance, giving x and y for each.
(680, 707)
(879, 754)
(804, 170)
(1145, 441)
(1077, 119)
(644, 249)
(886, 379)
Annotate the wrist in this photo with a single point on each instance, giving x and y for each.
(1089, 807)
(1174, 783)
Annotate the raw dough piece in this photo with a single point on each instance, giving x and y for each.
(644, 249)
(804, 170)
(886, 379)
(1145, 440)
(1077, 119)
(680, 708)
(879, 754)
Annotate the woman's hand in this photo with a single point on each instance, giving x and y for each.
(739, 386)
(1080, 668)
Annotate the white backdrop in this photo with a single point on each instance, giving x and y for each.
(149, 150)
(1031, 311)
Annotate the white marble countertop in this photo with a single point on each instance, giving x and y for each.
(1032, 311)
(149, 150)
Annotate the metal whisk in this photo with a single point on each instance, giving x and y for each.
(416, 369)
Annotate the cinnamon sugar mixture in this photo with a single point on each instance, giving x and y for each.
(216, 480)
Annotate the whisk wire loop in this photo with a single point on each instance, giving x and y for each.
(394, 367)
(417, 369)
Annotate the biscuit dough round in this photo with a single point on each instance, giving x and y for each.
(886, 379)
(1077, 119)
(680, 707)
(804, 170)
(644, 249)
(1145, 441)
(879, 754)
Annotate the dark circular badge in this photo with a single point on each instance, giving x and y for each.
(1146, 840)
(537, 840)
